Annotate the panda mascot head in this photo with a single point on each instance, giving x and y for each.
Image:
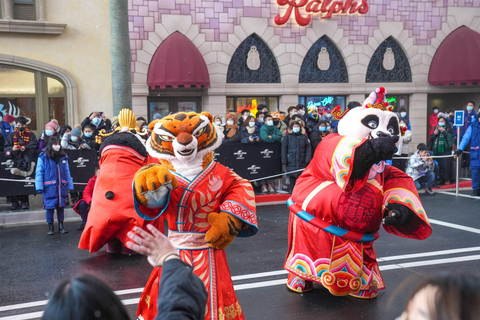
(373, 119)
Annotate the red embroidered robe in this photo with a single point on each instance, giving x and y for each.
(326, 190)
(215, 189)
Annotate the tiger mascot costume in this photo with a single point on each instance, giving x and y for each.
(205, 204)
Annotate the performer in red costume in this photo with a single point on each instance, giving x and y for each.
(205, 203)
(112, 214)
(342, 198)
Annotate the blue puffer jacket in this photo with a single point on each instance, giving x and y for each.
(53, 180)
(472, 136)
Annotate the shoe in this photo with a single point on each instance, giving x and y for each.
(270, 188)
(15, 206)
(264, 189)
(25, 205)
(297, 284)
(61, 229)
(51, 230)
(475, 193)
(81, 226)
(430, 192)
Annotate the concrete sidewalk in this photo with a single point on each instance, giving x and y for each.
(34, 215)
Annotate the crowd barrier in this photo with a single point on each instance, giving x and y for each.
(82, 168)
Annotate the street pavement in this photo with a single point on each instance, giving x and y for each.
(32, 263)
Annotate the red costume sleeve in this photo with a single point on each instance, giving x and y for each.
(400, 188)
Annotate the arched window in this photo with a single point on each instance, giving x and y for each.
(253, 62)
(36, 95)
(323, 63)
(389, 63)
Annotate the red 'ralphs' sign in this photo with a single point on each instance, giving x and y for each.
(325, 7)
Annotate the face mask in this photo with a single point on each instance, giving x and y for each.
(230, 122)
(441, 124)
(294, 112)
(88, 134)
(328, 115)
(270, 123)
(260, 120)
(20, 129)
(74, 138)
(302, 112)
(436, 110)
(328, 128)
(469, 108)
(56, 147)
(322, 129)
(296, 130)
(245, 116)
(251, 124)
(403, 114)
(314, 115)
(219, 123)
(49, 133)
(96, 121)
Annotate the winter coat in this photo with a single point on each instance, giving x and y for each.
(283, 129)
(416, 166)
(273, 131)
(68, 144)
(433, 143)
(182, 295)
(43, 140)
(22, 159)
(89, 142)
(245, 135)
(296, 151)
(53, 180)
(236, 137)
(88, 191)
(6, 129)
(472, 136)
(311, 125)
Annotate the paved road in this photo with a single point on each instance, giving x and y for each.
(32, 263)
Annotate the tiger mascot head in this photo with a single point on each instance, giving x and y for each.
(184, 141)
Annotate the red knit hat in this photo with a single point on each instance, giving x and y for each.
(52, 125)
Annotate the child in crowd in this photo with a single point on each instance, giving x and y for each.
(72, 140)
(260, 119)
(296, 151)
(232, 131)
(217, 121)
(243, 116)
(50, 131)
(88, 139)
(318, 134)
(82, 207)
(53, 180)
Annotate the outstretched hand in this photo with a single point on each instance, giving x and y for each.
(154, 245)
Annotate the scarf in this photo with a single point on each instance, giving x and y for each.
(232, 130)
(440, 144)
(251, 130)
(25, 135)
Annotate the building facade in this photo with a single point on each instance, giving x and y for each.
(54, 60)
(248, 56)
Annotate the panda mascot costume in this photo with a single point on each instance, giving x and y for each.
(344, 196)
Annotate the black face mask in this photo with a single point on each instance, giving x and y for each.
(21, 129)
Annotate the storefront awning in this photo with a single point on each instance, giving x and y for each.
(177, 62)
(456, 60)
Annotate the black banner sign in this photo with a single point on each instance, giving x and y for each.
(251, 161)
(82, 168)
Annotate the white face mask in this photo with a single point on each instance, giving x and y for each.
(74, 138)
(245, 116)
(230, 122)
(403, 114)
(302, 112)
(218, 123)
(56, 147)
(251, 124)
(296, 129)
(270, 123)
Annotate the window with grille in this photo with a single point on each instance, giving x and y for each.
(24, 10)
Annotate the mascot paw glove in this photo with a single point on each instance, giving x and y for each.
(383, 148)
(225, 228)
(397, 215)
(152, 184)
